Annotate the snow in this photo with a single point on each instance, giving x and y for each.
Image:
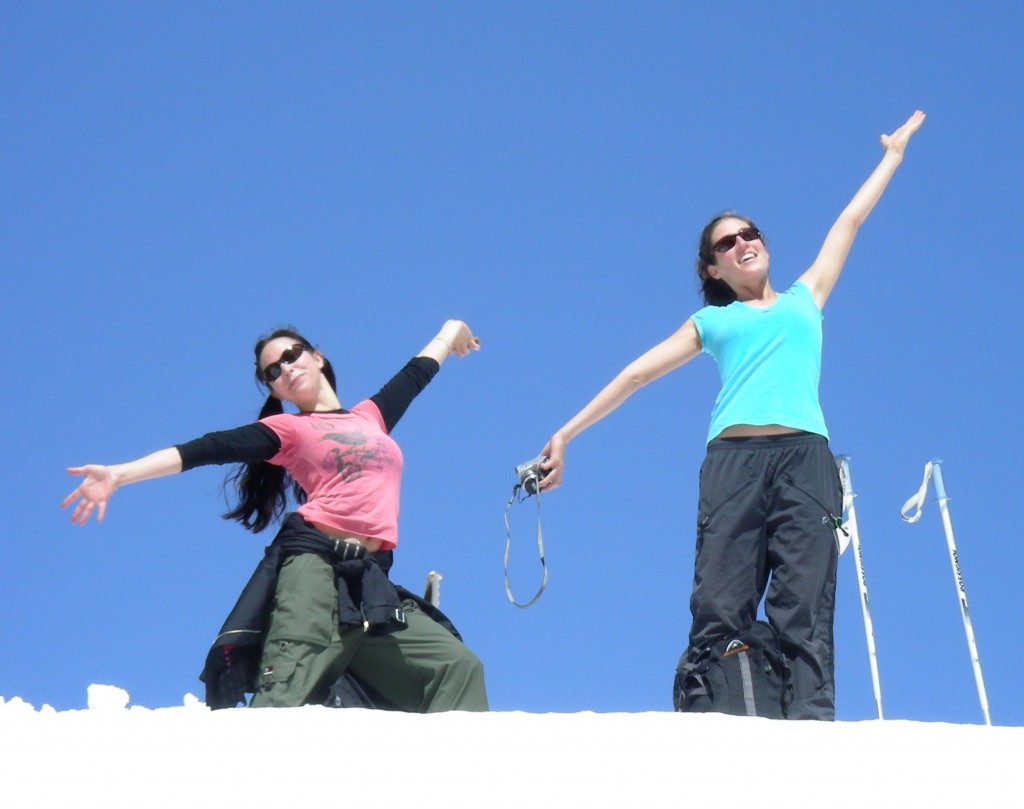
(112, 756)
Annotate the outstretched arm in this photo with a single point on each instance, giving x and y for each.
(666, 356)
(822, 275)
(101, 481)
(453, 338)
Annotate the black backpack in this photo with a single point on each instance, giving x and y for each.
(744, 674)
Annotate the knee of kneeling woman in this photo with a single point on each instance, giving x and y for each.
(461, 687)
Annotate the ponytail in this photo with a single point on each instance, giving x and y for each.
(261, 487)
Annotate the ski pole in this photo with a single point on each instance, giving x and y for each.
(933, 471)
(843, 462)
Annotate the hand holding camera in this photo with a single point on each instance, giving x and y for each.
(530, 474)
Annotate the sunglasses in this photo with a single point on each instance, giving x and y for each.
(272, 372)
(726, 243)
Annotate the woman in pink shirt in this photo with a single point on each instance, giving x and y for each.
(320, 605)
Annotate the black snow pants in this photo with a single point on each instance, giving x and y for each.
(766, 529)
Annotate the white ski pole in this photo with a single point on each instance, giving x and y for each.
(843, 461)
(932, 471)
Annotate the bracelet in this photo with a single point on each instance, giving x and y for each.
(446, 343)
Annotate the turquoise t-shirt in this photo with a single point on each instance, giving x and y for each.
(769, 361)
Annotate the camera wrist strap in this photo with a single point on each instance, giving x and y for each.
(540, 551)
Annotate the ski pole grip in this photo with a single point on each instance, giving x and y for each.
(916, 501)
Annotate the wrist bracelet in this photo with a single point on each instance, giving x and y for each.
(446, 343)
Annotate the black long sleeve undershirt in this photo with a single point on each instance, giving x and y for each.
(257, 442)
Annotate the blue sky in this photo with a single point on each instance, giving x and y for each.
(180, 178)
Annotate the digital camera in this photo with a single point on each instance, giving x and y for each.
(530, 474)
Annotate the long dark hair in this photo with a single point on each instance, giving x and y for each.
(262, 488)
(715, 291)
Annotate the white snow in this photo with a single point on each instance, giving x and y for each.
(106, 698)
(113, 756)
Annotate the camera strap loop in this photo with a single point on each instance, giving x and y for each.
(540, 549)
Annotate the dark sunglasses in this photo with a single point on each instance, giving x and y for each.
(748, 234)
(272, 372)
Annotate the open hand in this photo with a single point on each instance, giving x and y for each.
(92, 493)
(897, 141)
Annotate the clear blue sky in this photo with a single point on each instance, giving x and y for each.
(180, 178)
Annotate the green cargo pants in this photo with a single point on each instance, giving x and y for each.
(420, 668)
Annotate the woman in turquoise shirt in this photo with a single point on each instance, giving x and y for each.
(769, 491)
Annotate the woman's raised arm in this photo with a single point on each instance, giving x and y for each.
(822, 275)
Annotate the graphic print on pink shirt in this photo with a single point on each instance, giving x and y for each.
(354, 453)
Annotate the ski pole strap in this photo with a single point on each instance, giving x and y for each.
(843, 464)
(917, 500)
(540, 552)
(842, 534)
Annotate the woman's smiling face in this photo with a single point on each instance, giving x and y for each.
(739, 252)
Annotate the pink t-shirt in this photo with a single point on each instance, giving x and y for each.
(349, 467)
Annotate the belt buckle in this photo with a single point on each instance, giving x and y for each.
(344, 548)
